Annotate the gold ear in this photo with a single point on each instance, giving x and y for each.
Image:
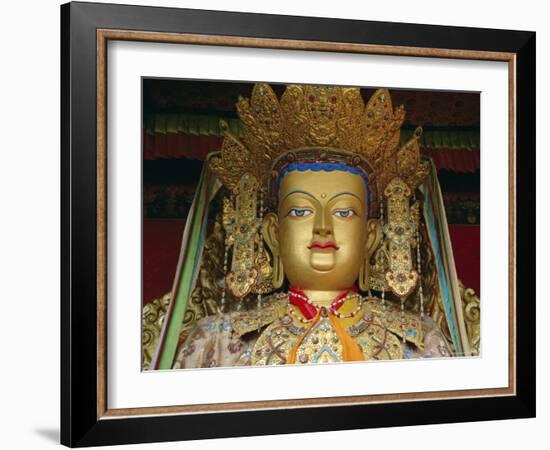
(270, 228)
(278, 272)
(363, 280)
(374, 236)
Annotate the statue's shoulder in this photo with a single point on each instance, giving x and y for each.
(403, 324)
(239, 323)
(272, 307)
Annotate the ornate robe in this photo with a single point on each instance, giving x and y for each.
(283, 333)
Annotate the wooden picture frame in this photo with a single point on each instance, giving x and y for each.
(86, 419)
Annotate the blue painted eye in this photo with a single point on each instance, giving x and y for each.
(344, 213)
(299, 212)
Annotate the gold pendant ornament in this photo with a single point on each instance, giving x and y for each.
(401, 277)
(241, 225)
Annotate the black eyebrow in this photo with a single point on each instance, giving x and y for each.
(344, 193)
(297, 191)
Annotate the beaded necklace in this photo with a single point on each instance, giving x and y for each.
(333, 306)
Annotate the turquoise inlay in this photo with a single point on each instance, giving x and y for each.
(225, 325)
(324, 324)
(325, 349)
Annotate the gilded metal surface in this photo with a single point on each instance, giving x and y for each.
(320, 345)
(241, 226)
(379, 265)
(321, 116)
(377, 330)
(472, 316)
(320, 231)
(409, 166)
(272, 308)
(152, 318)
(315, 116)
(233, 162)
(429, 276)
(406, 325)
(401, 277)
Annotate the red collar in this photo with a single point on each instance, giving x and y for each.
(309, 310)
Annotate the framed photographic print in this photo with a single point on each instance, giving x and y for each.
(276, 224)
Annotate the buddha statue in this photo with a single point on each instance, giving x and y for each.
(320, 253)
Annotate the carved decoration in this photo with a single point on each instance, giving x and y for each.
(152, 318)
(401, 277)
(241, 225)
(318, 116)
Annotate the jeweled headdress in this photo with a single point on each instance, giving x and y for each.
(316, 125)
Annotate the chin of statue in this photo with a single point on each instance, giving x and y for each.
(323, 261)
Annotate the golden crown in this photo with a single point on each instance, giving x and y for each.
(321, 117)
(315, 124)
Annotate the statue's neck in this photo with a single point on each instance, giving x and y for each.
(323, 298)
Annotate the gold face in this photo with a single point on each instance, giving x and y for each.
(320, 230)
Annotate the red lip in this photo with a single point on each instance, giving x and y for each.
(323, 245)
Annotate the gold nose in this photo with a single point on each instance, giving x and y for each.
(323, 223)
(322, 226)
(322, 231)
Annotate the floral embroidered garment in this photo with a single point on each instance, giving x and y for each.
(288, 332)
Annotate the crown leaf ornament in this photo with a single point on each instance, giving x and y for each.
(311, 124)
(313, 116)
